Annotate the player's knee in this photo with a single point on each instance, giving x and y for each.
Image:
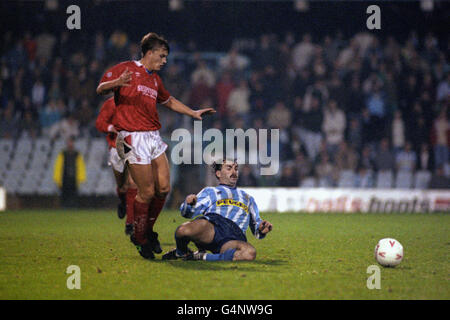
(249, 254)
(162, 191)
(183, 231)
(146, 193)
(131, 184)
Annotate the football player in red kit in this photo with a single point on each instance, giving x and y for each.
(126, 189)
(137, 89)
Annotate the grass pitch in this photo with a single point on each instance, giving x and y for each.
(306, 256)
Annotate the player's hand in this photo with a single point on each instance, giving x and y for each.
(124, 79)
(265, 227)
(199, 113)
(191, 199)
(112, 129)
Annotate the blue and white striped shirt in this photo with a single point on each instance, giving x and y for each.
(231, 203)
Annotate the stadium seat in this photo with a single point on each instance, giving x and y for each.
(6, 148)
(447, 169)
(24, 146)
(404, 179)
(106, 184)
(81, 145)
(384, 179)
(347, 179)
(325, 183)
(308, 182)
(422, 179)
(11, 183)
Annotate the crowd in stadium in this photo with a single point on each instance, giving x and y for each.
(357, 103)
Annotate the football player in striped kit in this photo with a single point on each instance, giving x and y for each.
(223, 215)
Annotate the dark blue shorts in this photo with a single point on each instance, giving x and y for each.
(225, 230)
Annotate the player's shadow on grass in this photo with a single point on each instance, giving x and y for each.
(263, 265)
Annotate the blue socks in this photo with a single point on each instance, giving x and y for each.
(226, 256)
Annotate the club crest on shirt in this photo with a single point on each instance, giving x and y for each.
(146, 91)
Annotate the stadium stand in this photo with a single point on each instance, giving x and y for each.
(294, 81)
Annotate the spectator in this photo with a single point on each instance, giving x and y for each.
(384, 158)
(201, 93)
(288, 177)
(303, 166)
(203, 74)
(9, 122)
(333, 126)
(398, 131)
(29, 127)
(246, 177)
(406, 159)
(354, 134)
(84, 116)
(366, 160)
(364, 178)
(324, 171)
(310, 129)
(439, 180)
(233, 62)
(443, 89)
(67, 128)
(376, 106)
(279, 116)
(425, 158)
(440, 131)
(38, 93)
(346, 158)
(69, 172)
(238, 101)
(49, 116)
(224, 87)
(302, 52)
(175, 82)
(45, 43)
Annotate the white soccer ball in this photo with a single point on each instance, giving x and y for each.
(389, 252)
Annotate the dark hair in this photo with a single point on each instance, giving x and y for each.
(153, 41)
(217, 165)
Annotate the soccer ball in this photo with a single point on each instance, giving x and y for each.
(388, 252)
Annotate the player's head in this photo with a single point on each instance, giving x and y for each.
(155, 50)
(226, 171)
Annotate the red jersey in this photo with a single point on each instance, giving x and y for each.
(104, 120)
(136, 104)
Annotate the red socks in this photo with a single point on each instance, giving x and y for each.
(143, 215)
(131, 195)
(140, 221)
(155, 209)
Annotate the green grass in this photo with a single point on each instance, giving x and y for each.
(307, 256)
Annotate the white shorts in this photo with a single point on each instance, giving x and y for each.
(115, 161)
(140, 147)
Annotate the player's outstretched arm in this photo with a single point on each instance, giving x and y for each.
(122, 81)
(177, 106)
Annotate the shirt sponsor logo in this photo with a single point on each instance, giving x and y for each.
(146, 91)
(231, 202)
